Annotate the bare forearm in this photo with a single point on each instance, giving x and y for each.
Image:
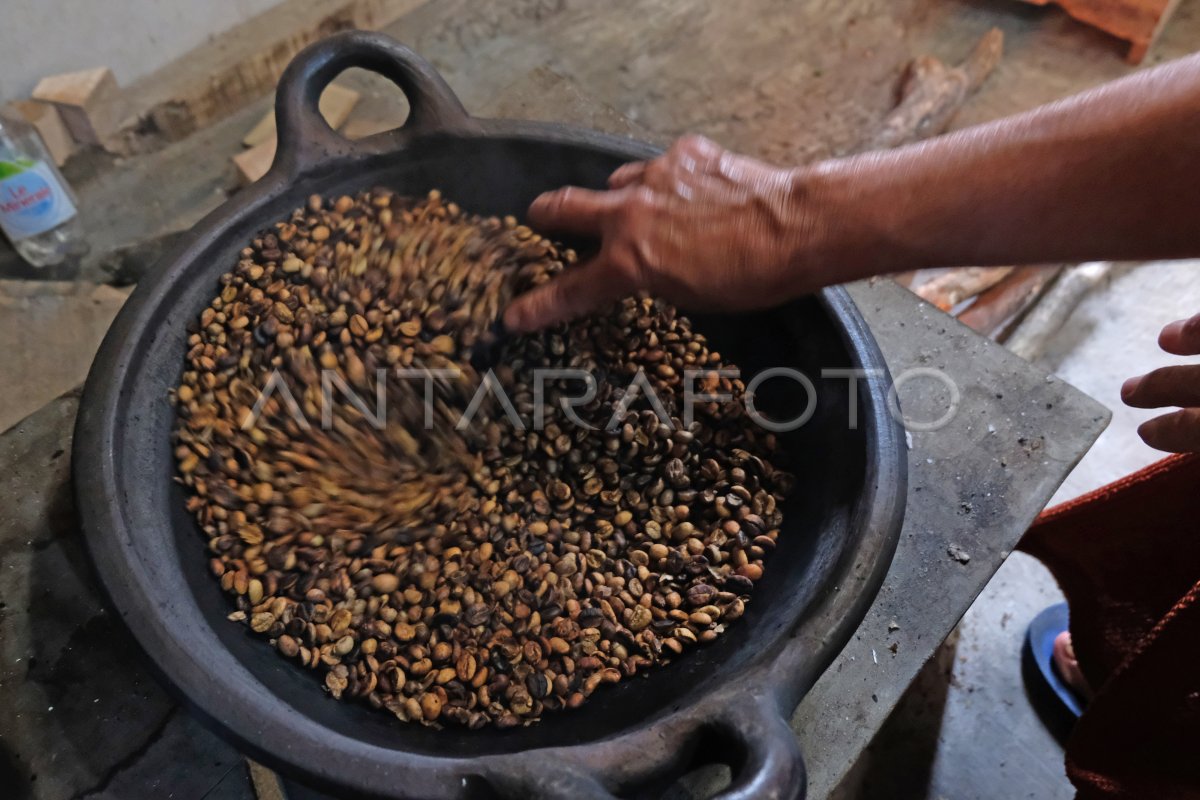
(1109, 174)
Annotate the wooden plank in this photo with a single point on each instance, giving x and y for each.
(1139, 49)
(89, 102)
(1138, 22)
(46, 118)
(241, 66)
(336, 104)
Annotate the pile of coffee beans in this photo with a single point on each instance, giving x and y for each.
(449, 554)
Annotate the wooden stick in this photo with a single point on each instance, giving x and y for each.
(994, 312)
(1030, 338)
(933, 93)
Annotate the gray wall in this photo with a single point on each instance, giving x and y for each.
(132, 37)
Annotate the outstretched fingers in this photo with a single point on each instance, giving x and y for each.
(1168, 386)
(1178, 432)
(575, 292)
(574, 210)
(1182, 338)
(627, 174)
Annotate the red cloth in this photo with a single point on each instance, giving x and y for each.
(1127, 556)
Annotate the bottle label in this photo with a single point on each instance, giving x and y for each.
(32, 200)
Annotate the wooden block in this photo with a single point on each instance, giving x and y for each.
(1138, 22)
(362, 128)
(89, 102)
(336, 104)
(252, 164)
(50, 126)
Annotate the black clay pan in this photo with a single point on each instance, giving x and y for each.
(728, 702)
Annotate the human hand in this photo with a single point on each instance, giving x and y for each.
(1178, 386)
(700, 227)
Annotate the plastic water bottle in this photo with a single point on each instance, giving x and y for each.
(37, 208)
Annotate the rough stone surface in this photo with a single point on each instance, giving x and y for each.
(974, 485)
(967, 725)
(80, 715)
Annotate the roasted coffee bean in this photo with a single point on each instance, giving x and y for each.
(701, 594)
(537, 685)
(477, 614)
(385, 583)
(739, 584)
(474, 575)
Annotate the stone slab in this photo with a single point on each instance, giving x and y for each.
(974, 487)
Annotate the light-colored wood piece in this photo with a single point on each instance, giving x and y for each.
(336, 104)
(951, 288)
(50, 126)
(267, 785)
(362, 127)
(50, 330)
(1139, 22)
(89, 102)
(1030, 338)
(252, 164)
